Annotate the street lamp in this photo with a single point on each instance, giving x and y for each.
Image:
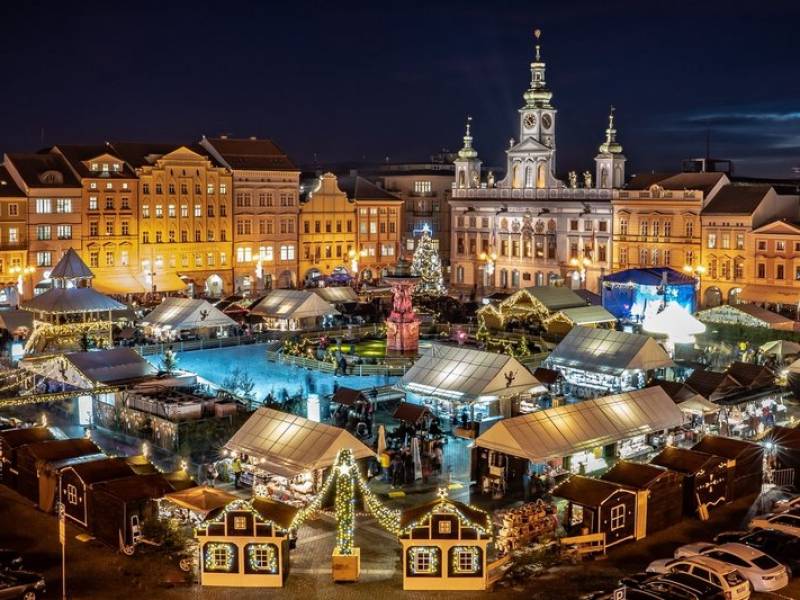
(581, 265)
(698, 272)
(490, 258)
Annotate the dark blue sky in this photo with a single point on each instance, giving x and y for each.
(344, 81)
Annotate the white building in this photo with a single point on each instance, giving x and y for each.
(531, 228)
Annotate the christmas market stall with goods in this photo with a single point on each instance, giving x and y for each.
(745, 462)
(246, 544)
(11, 440)
(444, 546)
(659, 493)
(596, 361)
(285, 456)
(597, 506)
(176, 318)
(38, 466)
(576, 438)
(705, 478)
(634, 294)
(75, 481)
(293, 310)
(471, 387)
(194, 504)
(530, 307)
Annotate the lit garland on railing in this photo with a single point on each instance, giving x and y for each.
(211, 549)
(272, 558)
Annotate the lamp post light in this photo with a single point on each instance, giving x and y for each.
(698, 272)
(581, 265)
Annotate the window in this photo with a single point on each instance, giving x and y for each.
(210, 188)
(573, 225)
(94, 259)
(210, 210)
(198, 210)
(263, 557)
(64, 205)
(64, 232)
(266, 253)
(43, 232)
(123, 258)
(740, 241)
(387, 249)
(159, 237)
(146, 210)
(712, 240)
(667, 228)
(44, 258)
(762, 245)
(617, 517)
(623, 256)
(92, 202)
(445, 527)
(780, 246)
(244, 254)
(761, 271)
(422, 187)
(373, 227)
(689, 229)
(72, 494)
(623, 227)
(210, 235)
(171, 188)
(171, 210)
(223, 259)
(219, 556)
(287, 252)
(109, 203)
(44, 206)
(13, 235)
(779, 271)
(726, 241)
(643, 228)
(145, 188)
(145, 237)
(466, 559)
(184, 210)
(159, 211)
(602, 253)
(184, 188)
(159, 189)
(198, 260)
(109, 259)
(184, 236)
(125, 228)
(422, 560)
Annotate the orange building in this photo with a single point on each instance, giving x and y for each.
(109, 223)
(13, 235)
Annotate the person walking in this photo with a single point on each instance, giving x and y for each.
(386, 461)
(236, 466)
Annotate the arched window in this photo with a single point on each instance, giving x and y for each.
(504, 278)
(462, 178)
(539, 278)
(541, 177)
(459, 274)
(604, 178)
(618, 177)
(515, 278)
(516, 177)
(529, 176)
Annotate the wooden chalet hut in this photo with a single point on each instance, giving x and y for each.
(411, 413)
(120, 506)
(705, 477)
(10, 441)
(444, 546)
(659, 493)
(597, 506)
(745, 460)
(76, 479)
(246, 544)
(38, 466)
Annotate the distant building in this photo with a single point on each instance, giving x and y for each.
(13, 234)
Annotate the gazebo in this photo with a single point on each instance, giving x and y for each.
(71, 310)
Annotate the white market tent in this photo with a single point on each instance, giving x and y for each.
(85, 370)
(566, 430)
(781, 349)
(186, 313)
(748, 315)
(608, 351)
(288, 445)
(587, 315)
(337, 295)
(675, 323)
(289, 309)
(464, 374)
(698, 405)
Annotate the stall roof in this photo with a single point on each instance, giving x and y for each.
(417, 513)
(466, 374)
(103, 469)
(279, 513)
(15, 438)
(14, 320)
(725, 447)
(125, 282)
(186, 313)
(348, 396)
(608, 351)
(409, 412)
(54, 450)
(676, 390)
(72, 300)
(751, 376)
(555, 298)
(586, 491)
(71, 266)
(85, 370)
(681, 460)
(565, 430)
(706, 383)
(726, 313)
(289, 445)
(293, 304)
(201, 499)
(180, 480)
(337, 294)
(135, 487)
(141, 465)
(588, 315)
(546, 376)
(633, 475)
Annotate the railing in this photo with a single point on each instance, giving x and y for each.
(584, 544)
(782, 477)
(390, 368)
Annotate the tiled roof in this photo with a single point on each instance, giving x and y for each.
(76, 155)
(737, 200)
(35, 170)
(252, 154)
(8, 187)
(704, 182)
(359, 188)
(142, 154)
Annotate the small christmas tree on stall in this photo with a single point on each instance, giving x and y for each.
(427, 265)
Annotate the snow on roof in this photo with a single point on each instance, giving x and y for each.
(187, 313)
(293, 304)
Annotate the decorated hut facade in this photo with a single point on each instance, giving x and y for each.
(246, 544)
(444, 546)
(76, 479)
(292, 310)
(745, 461)
(529, 307)
(705, 477)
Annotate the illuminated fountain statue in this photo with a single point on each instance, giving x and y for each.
(402, 325)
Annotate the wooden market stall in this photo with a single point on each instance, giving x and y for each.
(10, 441)
(705, 481)
(659, 493)
(444, 546)
(745, 461)
(76, 479)
(597, 506)
(413, 414)
(246, 544)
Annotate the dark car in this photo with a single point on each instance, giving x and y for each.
(10, 559)
(630, 594)
(702, 589)
(21, 585)
(783, 547)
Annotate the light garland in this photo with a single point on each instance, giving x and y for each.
(455, 563)
(272, 558)
(413, 554)
(445, 505)
(210, 551)
(345, 502)
(237, 506)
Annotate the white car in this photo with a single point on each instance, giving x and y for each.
(786, 505)
(788, 522)
(763, 572)
(693, 549)
(724, 576)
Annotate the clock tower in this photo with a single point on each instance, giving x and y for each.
(610, 161)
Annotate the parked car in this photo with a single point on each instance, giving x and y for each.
(788, 522)
(631, 594)
(783, 547)
(735, 586)
(22, 585)
(686, 584)
(10, 559)
(786, 504)
(693, 549)
(763, 572)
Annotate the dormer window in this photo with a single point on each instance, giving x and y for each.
(117, 167)
(95, 167)
(105, 167)
(52, 177)
(93, 185)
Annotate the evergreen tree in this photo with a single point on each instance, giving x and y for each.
(427, 265)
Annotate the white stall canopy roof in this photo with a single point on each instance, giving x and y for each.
(467, 375)
(288, 445)
(86, 370)
(565, 430)
(608, 351)
(186, 313)
(337, 294)
(293, 304)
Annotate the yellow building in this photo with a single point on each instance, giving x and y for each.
(185, 217)
(109, 223)
(266, 187)
(13, 236)
(657, 219)
(54, 213)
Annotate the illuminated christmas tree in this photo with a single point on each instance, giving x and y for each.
(427, 265)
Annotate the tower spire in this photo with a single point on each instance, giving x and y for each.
(611, 146)
(468, 151)
(537, 94)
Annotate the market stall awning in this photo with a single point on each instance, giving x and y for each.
(186, 313)
(72, 300)
(565, 430)
(749, 315)
(293, 304)
(462, 374)
(288, 445)
(588, 315)
(85, 370)
(608, 351)
(768, 293)
(119, 283)
(337, 295)
(164, 282)
(201, 499)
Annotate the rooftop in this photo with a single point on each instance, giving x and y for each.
(633, 474)
(8, 187)
(44, 171)
(704, 182)
(586, 491)
(736, 200)
(360, 188)
(251, 154)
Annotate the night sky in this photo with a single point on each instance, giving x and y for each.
(351, 81)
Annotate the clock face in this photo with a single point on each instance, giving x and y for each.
(530, 120)
(547, 121)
